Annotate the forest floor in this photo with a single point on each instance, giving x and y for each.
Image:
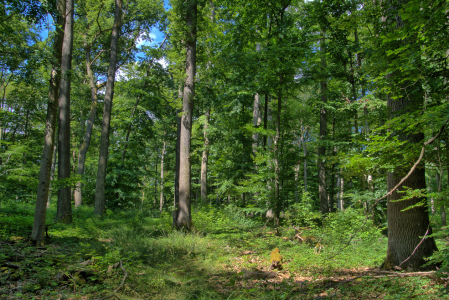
(136, 255)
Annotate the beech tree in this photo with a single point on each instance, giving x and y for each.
(64, 211)
(38, 233)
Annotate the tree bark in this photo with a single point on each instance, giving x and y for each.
(406, 227)
(277, 144)
(161, 200)
(184, 218)
(100, 198)
(90, 124)
(38, 232)
(204, 161)
(255, 121)
(304, 146)
(64, 207)
(52, 176)
(324, 205)
(178, 143)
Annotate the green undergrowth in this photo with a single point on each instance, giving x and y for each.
(226, 256)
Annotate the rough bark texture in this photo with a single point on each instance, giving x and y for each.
(324, 206)
(38, 232)
(204, 160)
(406, 227)
(184, 218)
(64, 208)
(90, 124)
(100, 198)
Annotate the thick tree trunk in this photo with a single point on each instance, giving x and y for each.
(324, 206)
(184, 218)
(90, 124)
(204, 160)
(64, 208)
(161, 199)
(38, 232)
(406, 227)
(100, 198)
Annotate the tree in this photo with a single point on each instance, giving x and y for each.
(408, 218)
(64, 210)
(38, 233)
(100, 200)
(184, 218)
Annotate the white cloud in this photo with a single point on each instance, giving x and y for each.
(146, 40)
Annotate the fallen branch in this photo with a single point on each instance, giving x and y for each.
(124, 277)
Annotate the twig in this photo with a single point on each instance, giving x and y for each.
(124, 277)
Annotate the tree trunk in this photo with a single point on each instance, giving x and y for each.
(255, 121)
(52, 176)
(342, 190)
(442, 209)
(64, 209)
(406, 227)
(277, 167)
(304, 145)
(90, 124)
(204, 160)
(161, 200)
(38, 232)
(184, 218)
(178, 143)
(324, 206)
(100, 198)
(265, 121)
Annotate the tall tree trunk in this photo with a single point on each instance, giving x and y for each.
(442, 209)
(38, 232)
(265, 121)
(304, 145)
(184, 218)
(204, 160)
(406, 227)
(161, 200)
(64, 209)
(100, 198)
(342, 189)
(90, 124)
(255, 121)
(178, 152)
(277, 144)
(324, 206)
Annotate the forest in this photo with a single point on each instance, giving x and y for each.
(224, 149)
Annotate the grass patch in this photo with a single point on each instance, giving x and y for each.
(227, 256)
